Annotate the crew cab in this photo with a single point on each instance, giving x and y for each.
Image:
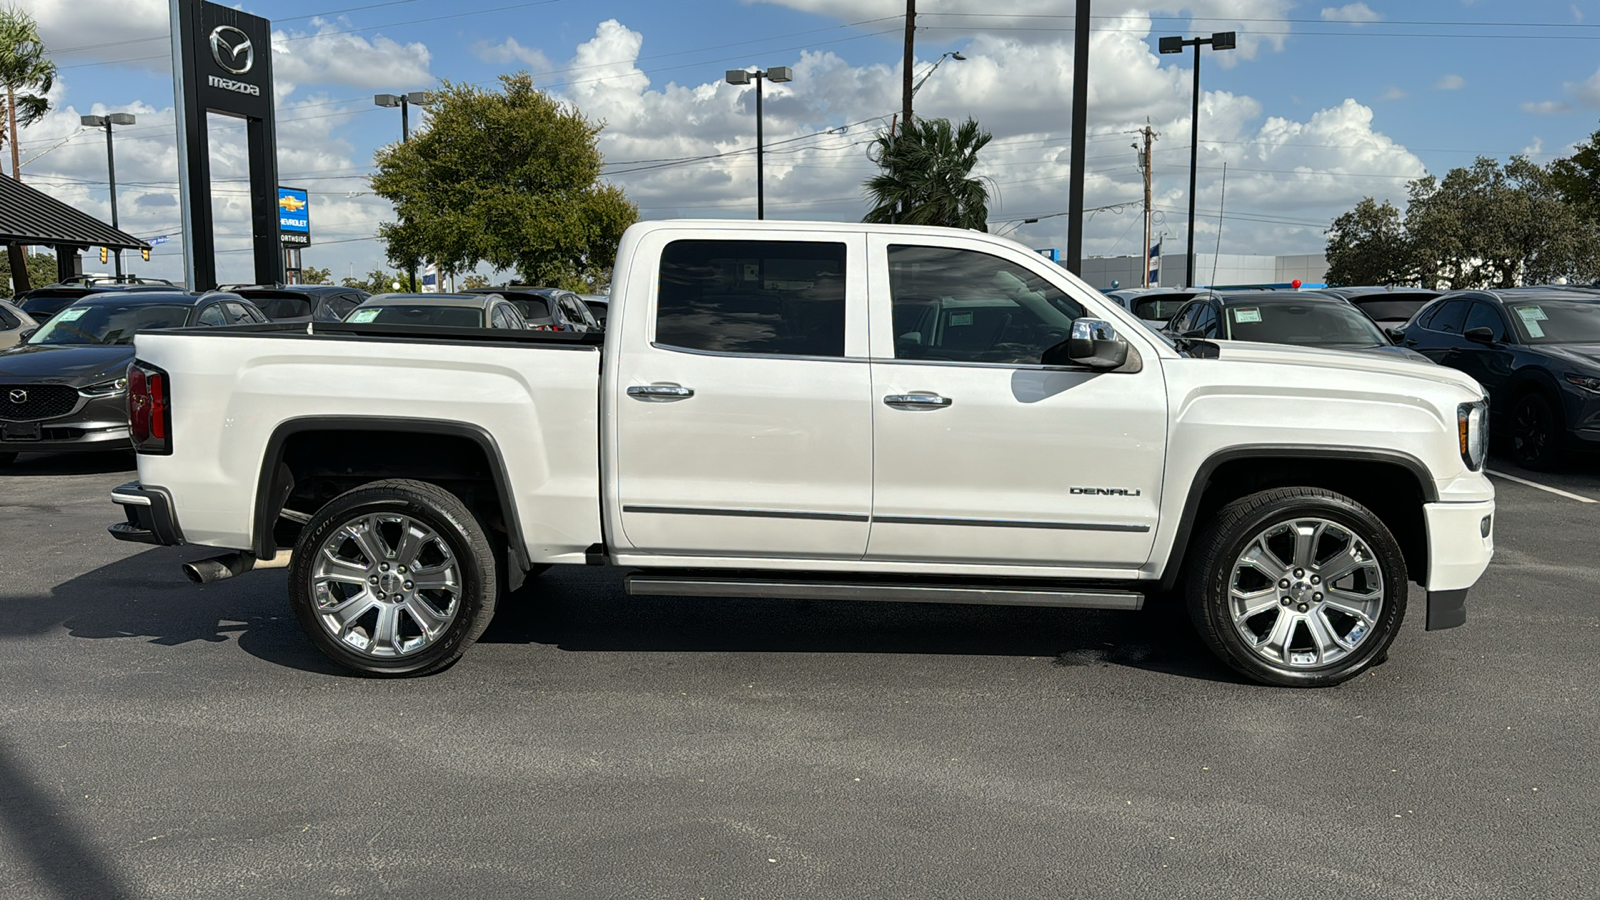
(820, 410)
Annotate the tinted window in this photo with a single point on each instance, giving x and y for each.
(7, 320)
(284, 307)
(104, 323)
(1449, 317)
(533, 308)
(497, 317)
(1333, 325)
(212, 315)
(1389, 308)
(780, 297)
(239, 315)
(1556, 321)
(1180, 322)
(1205, 320)
(966, 306)
(1156, 309)
(341, 304)
(1482, 315)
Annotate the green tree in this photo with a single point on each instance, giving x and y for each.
(314, 275)
(507, 177)
(926, 176)
(27, 75)
(380, 282)
(41, 270)
(473, 281)
(1369, 245)
(1577, 178)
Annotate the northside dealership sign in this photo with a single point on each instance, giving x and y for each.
(294, 217)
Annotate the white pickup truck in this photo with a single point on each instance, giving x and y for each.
(820, 410)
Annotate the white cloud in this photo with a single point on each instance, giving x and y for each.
(1393, 93)
(1353, 13)
(511, 51)
(1586, 91)
(1546, 107)
(1450, 83)
(327, 56)
(97, 31)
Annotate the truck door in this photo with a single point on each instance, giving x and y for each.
(743, 406)
(981, 454)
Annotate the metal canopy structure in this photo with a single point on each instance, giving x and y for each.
(34, 218)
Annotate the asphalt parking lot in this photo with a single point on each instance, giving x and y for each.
(161, 739)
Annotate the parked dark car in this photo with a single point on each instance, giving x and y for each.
(1301, 318)
(1390, 307)
(485, 310)
(65, 387)
(303, 302)
(547, 309)
(14, 323)
(1536, 351)
(599, 305)
(44, 302)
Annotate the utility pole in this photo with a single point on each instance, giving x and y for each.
(1144, 166)
(1080, 131)
(911, 40)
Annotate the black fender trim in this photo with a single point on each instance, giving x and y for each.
(1446, 609)
(1202, 480)
(150, 515)
(270, 484)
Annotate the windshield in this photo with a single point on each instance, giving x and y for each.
(1333, 325)
(1556, 321)
(108, 323)
(419, 314)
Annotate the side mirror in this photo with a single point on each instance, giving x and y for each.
(26, 333)
(1483, 334)
(1395, 335)
(1093, 343)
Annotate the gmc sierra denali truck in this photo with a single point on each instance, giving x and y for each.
(820, 410)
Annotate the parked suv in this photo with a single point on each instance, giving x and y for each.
(63, 389)
(42, 303)
(1283, 317)
(547, 309)
(303, 302)
(1537, 353)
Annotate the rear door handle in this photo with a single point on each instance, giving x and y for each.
(659, 392)
(917, 400)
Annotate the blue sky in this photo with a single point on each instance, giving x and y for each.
(1322, 104)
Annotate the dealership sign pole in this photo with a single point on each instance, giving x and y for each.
(222, 63)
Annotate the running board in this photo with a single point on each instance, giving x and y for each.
(766, 588)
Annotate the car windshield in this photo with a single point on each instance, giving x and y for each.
(1556, 321)
(109, 323)
(1324, 324)
(43, 304)
(419, 314)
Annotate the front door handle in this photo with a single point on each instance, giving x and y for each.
(917, 400)
(659, 392)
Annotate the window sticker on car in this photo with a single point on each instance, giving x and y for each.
(73, 314)
(363, 315)
(960, 319)
(1246, 315)
(1531, 317)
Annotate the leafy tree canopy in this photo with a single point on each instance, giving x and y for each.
(314, 275)
(926, 175)
(41, 270)
(508, 177)
(380, 282)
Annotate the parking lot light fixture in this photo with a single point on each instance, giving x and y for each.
(777, 74)
(1221, 40)
(106, 122)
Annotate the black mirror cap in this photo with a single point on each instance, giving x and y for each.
(26, 333)
(1093, 344)
(1483, 334)
(1395, 335)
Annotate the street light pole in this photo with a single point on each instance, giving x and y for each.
(1222, 40)
(776, 74)
(111, 164)
(404, 101)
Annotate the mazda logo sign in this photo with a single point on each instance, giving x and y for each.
(232, 50)
(19, 396)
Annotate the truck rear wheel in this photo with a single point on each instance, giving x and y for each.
(1298, 586)
(393, 578)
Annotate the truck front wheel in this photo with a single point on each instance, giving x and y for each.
(1298, 586)
(393, 578)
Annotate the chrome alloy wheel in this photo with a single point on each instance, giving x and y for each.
(386, 586)
(1305, 593)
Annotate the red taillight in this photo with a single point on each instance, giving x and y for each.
(149, 409)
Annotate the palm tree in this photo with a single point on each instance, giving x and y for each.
(927, 175)
(27, 75)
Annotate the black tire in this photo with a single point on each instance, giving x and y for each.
(7, 459)
(1536, 432)
(416, 520)
(1307, 622)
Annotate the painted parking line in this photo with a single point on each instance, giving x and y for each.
(1543, 487)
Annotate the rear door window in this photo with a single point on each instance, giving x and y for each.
(752, 297)
(1482, 315)
(212, 315)
(1449, 317)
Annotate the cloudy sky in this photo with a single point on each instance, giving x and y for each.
(1323, 103)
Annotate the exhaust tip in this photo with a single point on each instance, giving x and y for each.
(206, 571)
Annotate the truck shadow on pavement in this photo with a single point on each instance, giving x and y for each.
(586, 609)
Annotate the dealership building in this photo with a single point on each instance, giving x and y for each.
(1222, 270)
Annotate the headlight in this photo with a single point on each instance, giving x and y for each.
(105, 388)
(1587, 382)
(1472, 426)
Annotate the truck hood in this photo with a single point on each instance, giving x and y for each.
(76, 364)
(1336, 361)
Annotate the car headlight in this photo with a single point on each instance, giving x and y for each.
(1587, 382)
(1472, 427)
(105, 388)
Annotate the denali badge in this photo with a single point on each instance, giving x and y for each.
(19, 396)
(1105, 492)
